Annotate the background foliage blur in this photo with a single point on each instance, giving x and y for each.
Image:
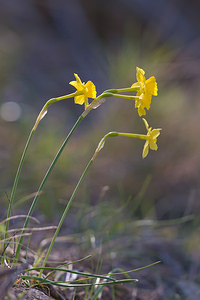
(42, 43)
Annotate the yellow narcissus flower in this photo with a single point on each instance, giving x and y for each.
(151, 139)
(88, 90)
(147, 89)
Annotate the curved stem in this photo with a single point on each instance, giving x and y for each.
(50, 102)
(16, 180)
(114, 134)
(40, 116)
(64, 215)
(15, 187)
(42, 113)
(99, 147)
(42, 185)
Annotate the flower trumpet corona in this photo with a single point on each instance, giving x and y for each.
(87, 90)
(147, 89)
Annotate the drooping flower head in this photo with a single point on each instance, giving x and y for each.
(147, 89)
(151, 139)
(88, 90)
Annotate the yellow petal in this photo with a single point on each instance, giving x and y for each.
(140, 75)
(134, 84)
(141, 111)
(91, 89)
(153, 145)
(146, 124)
(78, 79)
(79, 99)
(147, 100)
(77, 84)
(145, 149)
(155, 133)
(151, 86)
(74, 83)
(137, 103)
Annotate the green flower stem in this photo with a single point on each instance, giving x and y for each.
(137, 136)
(42, 185)
(100, 146)
(109, 93)
(124, 90)
(14, 190)
(114, 134)
(106, 94)
(39, 118)
(16, 180)
(64, 215)
(50, 102)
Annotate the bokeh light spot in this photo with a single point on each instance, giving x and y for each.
(10, 111)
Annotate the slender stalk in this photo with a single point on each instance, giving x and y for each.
(40, 116)
(50, 102)
(133, 135)
(123, 90)
(64, 215)
(100, 146)
(14, 189)
(43, 183)
(16, 180)
(114, 134)
(121, 96)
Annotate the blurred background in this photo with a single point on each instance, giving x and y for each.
(42, 43)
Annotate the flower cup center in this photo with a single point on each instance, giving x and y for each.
(86, 90)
